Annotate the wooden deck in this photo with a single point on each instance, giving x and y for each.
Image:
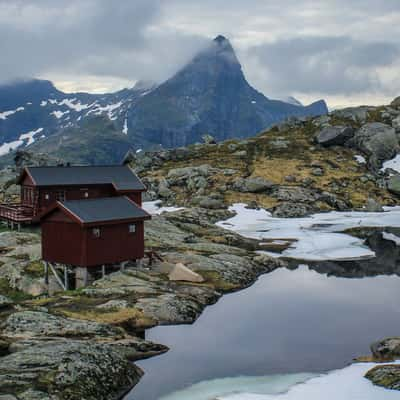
(15, 212)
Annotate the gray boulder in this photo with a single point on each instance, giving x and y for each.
(395, 103)
(386, 349)
(393, 184)
(373, 206)
(377, 140)
(295, 194)
(252, 185)
(68, 369)
(25, 324)
(291, 210)
(334, 135)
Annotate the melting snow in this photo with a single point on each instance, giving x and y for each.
(154, 207)
(253, 102)
(342, 384)
(394, 163)
(5, 114)
(43, 103)
(360, 159)
(30, 136)
(317, 237)
(391, 237)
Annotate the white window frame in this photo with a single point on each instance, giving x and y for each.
(96, 232)
(132, 228)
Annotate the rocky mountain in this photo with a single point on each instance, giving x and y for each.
(208, 95)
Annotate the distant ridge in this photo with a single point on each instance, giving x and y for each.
(210, 95)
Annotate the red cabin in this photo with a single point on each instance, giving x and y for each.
(41, 187)
(89, 233)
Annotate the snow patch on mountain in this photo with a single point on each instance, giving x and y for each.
(59, 114)
(5, 114)
(7, 147)
(30, 136)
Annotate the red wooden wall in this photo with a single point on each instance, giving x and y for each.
(66, 242)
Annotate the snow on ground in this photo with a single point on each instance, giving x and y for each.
(7, 147)
(154, 207)
(5, 114)
(342, 384)
(394, 163)
(360, 159)
(391, 237)
(30, 136)
(317, 237)
(43, 103)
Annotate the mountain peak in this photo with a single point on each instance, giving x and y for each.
(220, 39)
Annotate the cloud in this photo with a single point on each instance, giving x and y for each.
(92, 37)
(322, 64)
(302, 47)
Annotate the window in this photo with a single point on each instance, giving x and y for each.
(132, 228)
(46, 196)
(96, 232)
(86, 194)
(60, 195)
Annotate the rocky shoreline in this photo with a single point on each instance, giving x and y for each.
(82, 345)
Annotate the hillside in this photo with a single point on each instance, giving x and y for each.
(291, 169)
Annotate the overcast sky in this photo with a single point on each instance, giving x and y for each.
(346, 51)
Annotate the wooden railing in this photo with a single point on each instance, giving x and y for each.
(16, 212)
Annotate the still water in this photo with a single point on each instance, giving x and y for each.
(306, 320)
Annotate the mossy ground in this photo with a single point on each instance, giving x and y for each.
(277, 154)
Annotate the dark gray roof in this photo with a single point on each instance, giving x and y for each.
(121, 176)
(105, 209)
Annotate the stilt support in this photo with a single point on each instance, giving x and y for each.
(103, 270)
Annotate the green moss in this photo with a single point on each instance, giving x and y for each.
(13, 294)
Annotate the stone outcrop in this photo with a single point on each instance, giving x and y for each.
(334, 135)
(387, 376)
(255, 184)
(378, 141)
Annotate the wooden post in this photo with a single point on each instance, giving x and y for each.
(65, 277)
(85, 277)
(19, 227)
(103, 270)
(46, 273)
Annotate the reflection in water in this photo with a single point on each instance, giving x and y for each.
(386, 261)
(287, 322)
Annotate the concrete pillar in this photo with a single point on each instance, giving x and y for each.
(81, 277)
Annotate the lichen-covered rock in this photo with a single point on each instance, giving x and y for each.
(25, 324)
(68, 370)
(387, 376)
(386, 349)
(393, 184)
(290, 209)
(255, 184)
(378, 141)
(334, 135)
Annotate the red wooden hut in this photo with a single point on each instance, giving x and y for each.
(95, 232)
(41, 187)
